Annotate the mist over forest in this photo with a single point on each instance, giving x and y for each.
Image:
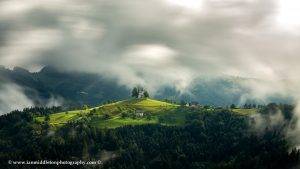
(189, 84)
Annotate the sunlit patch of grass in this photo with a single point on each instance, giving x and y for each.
(245, 111)
(151, 110)
(118, 122)
(62, 117)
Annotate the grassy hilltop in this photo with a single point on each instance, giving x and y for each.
(129, 112)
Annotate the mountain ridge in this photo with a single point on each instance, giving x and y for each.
(75, 89)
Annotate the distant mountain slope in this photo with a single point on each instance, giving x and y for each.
(223, 91)
(74, 88)
(214, 91)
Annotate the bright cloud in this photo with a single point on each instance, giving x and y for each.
(154, 41)
(288, 14)
(188, 4)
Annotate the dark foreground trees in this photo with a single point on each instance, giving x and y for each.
(215, 139)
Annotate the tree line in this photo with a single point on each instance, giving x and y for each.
(210, 139)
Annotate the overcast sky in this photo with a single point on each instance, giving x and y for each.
(152, 41)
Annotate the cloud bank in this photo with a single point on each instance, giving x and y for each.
(153, 41)
(12, 97)
(158, 42)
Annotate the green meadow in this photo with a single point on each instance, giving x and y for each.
(129, 112)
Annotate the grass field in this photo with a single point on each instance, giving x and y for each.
(129, 112)
(117, 121)
(137, 109)
(245, 111)
(152, 108)
(63, 117)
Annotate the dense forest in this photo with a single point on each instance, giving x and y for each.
(212, 139)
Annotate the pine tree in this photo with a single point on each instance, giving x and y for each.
(47, 118)
(232, 106)
(85, 151)
(135, 92)
(146, 94)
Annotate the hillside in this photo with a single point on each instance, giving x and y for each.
(113, 132)
(73, 88)
(127, 112)
(130, 112)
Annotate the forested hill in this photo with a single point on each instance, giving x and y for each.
(204, 138)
